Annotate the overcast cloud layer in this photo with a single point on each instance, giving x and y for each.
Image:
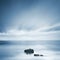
(30, 20)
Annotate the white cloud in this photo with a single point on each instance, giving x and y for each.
(38, 34)
(50, 28)
(33, 18)
(33, 23)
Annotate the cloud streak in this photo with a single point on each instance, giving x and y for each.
(42, 34)
(27, 15)
(31, 20)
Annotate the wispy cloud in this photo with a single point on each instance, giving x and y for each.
(41, 34)
(29, 15)
(31, 20)
(54, 27)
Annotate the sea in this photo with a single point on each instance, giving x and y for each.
(14, 50)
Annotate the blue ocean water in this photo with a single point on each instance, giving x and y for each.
(14, 50)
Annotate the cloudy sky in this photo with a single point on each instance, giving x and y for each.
(29, 19)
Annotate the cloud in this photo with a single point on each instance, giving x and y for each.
(36, 21)
(26, 16)
(41, 34)
(54, 27)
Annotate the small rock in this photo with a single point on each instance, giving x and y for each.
(36, 55)
(41, 55)
(29, 51)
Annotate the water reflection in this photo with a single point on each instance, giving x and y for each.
(11, 50)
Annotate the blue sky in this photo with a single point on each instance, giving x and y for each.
(30, 19)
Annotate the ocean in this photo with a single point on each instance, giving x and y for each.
(14, 50)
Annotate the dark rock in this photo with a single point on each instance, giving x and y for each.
(41, 55)
(36, 55)
(29, 51)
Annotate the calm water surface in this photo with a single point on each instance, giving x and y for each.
(14, 50)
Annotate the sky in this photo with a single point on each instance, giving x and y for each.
(29, 19)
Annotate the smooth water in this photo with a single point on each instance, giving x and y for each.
(14, 50)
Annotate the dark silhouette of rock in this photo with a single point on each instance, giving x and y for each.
(29, 51)
(41, 55)
(36, 55)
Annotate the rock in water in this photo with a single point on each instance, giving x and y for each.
(36, 55)
(41, 55)
(29, 51)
